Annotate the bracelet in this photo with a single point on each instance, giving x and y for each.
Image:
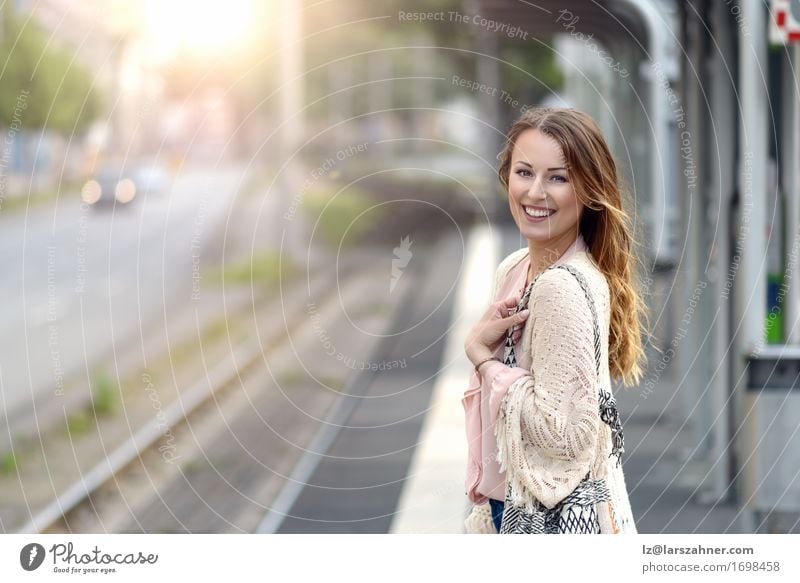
(485, 360)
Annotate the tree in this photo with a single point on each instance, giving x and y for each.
(58, 93)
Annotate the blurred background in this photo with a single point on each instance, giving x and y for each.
(242, 243)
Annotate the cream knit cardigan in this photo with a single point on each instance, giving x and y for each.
(549, 429)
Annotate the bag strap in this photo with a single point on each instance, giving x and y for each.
(588, 295)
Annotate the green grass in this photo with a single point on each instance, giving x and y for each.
(8, 463)
(334, 383)
(343, 216)
(78, 423)
(105, 393)
(105, 398)
(292, 378)
(267, 269)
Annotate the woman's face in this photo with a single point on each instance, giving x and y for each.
(538, 181)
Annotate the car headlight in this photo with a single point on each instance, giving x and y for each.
(90, 193)
(125, 190)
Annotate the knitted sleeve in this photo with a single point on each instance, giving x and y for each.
(548, 421)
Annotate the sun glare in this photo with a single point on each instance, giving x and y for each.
(203, 26)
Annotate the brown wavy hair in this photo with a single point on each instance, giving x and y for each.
(605, 226)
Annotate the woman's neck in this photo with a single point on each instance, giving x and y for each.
(543, 255)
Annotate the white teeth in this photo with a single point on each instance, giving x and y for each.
(535, 213)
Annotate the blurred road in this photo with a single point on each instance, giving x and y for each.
(80, 280)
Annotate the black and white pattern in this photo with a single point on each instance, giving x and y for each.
(610, 415)
(509, 357)
(576, 513)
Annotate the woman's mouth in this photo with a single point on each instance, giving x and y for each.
(537, 214)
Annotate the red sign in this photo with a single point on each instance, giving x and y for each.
(784, 22)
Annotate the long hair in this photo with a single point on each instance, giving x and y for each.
(605, 225)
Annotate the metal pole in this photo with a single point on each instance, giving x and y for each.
(750, 285)
(723, 112)
(291, 119)
(690, 325)
(662, 49)
(791, 188)
(488, 71)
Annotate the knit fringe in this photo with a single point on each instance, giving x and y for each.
(480, 520)
(507, 430)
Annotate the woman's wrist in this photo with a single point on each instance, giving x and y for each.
(478, 355)
(482, 363)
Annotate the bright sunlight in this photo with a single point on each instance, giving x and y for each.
(202, 26)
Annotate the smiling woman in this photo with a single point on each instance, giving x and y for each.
(543, 431)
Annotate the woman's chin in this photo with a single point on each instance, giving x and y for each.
(541, 234)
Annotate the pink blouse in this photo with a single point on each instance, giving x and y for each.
(482, 398)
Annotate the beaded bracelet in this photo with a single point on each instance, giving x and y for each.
(485, 360)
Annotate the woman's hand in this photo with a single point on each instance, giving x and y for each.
(485, 337)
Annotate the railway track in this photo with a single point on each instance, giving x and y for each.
(186, 410)
(124, 466)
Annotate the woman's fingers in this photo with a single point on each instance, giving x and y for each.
(518, 321)
(491, 330)
(495, 325)
(507, 303)
(501, 325)
(517, 318)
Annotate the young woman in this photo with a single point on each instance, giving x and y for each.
(539, 405)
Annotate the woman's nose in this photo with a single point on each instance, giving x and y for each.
(536, 189)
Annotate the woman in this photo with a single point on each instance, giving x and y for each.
(539, 407)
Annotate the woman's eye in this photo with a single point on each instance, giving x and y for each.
(526, 173)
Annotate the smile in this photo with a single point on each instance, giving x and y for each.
(538, 213)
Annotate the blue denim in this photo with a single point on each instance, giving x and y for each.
(497, 512)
